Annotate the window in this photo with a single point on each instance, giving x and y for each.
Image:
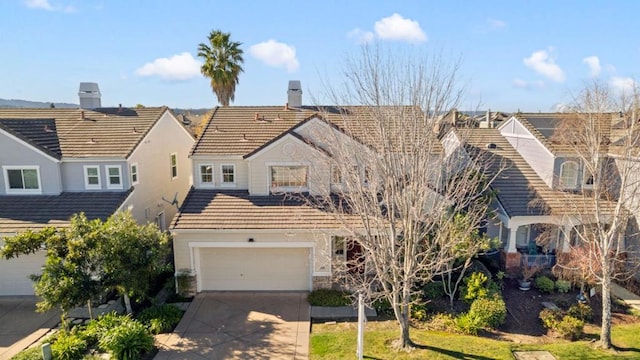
(134, 174)
(114, 179)
(92, 177)
(587, 181)
(174, 165)
(339, 248)
(206, 174)
(228, 173)
(569, 174)
(336, 175)
(22, 179)
(289, 176)
(522, 236)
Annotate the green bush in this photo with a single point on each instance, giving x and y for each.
(570, 328)
(418, 311)
(160, 319)
(127, 341)
(474, 287)
(97, 327)
(383, 306)
(467, 324)
(581, 311)
(563, 286)
(489, 312)
(550, 318)
(544, 284)
(433, 290)
(329, 297)
(34, 353)
(68, 346)
(442, 322)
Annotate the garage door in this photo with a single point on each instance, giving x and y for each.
(254, 269)
(14, 274)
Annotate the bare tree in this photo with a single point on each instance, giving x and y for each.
(601, 133)
(394, 187)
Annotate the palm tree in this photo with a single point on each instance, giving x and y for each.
(222, 64)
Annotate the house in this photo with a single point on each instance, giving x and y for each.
(540, 185)
(239, 227)
(96, 160)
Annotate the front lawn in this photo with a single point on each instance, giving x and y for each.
(338, 341)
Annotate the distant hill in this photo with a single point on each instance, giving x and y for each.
(15, 103)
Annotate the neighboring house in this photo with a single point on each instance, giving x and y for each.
(538, 188)
(239, 229)
(57, 162)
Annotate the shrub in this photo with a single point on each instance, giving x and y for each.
(418, 311)
(383, 306)
(34, 353)
(581, 311)
(68, 346)
(563, 286)
(160, 319)
(96, 328)
(467, 324)
(570, 328)
(442, 322)
(544, 284)
(489, 312)
(328, 297)
(549, 318)
(474, 287)
(433, 290)
(127, 341)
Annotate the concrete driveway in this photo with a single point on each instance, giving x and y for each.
(21, 325)
(241, 325)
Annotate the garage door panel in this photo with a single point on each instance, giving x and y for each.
(254, 269)
(14, 273)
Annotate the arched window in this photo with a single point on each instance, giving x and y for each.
(569, 175)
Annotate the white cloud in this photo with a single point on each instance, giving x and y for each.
(528, 85)
(542, 63)
(624, 85)
(177, 67)
(276, 54)
(593, 62)
(395, 27)
(495, 24)
(46, 5)
(360, 36)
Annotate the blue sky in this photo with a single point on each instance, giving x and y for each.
(527, 55)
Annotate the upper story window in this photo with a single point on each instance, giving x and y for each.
(569, 174)
(293, 176)
(206, 174)
(228, 174)
(22, 179)
(587, 179)
(114, 177)
(134, 174)
(92, 177)
(173, 161)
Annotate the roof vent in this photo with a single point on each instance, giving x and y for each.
(492, 146)
(244, 138)
(89, 94)
(294, 94)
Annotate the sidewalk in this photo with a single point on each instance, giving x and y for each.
(628, 297)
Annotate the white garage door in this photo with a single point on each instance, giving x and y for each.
(254, 269)
(14, 273)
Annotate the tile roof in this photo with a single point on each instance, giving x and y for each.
(234, 130)
(544, 125)
(22, 212)
(219, 209)
(519, 188)
(104, 132)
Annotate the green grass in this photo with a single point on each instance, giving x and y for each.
(338, 341)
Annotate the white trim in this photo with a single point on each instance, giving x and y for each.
(253, 231)
(224, 184)
(287, 189)
(22, 142)
(112, 186)
(171, 157)
(10, 191)
(574, 184)
(86, 178)
(93, 159)
(199, 170)
(137, 173)
(246, 244)
(277, 142)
